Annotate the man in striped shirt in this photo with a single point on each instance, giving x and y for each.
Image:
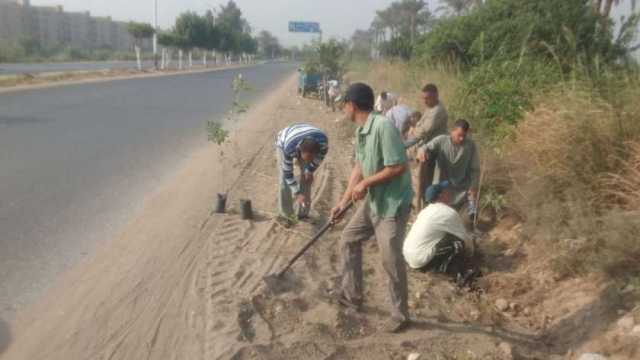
(307, 145)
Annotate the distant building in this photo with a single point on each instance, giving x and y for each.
(82, 32)
(52, 27)
(11, 20)
(49, 26)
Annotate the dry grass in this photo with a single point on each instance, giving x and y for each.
(565, 142)
(33, 79)
(406, 80)
(623, 188)
(574, 164)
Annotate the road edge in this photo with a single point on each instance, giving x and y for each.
(96, 80)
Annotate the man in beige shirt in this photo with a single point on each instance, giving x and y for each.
(434, 123)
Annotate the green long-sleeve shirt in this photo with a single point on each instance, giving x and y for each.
(460, 163)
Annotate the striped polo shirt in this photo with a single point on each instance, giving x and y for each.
(289, 140)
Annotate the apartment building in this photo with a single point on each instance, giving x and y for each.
(81, 30)
(52, 27)
(11, 20)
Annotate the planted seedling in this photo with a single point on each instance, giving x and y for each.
(219, 135)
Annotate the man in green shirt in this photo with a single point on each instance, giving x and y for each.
(382, 180)
(457, 157)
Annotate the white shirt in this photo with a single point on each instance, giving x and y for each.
(431, 226)
(334, 89)
(399, 115)
(382, 106)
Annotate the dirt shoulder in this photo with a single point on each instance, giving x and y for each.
(182, 283)
(23, 82)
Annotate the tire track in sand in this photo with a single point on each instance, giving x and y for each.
(222, 248)
(238, 255)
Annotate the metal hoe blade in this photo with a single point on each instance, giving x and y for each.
(277, 282)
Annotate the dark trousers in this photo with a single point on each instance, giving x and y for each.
(449, 257)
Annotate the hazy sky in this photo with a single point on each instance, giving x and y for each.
(338, 18)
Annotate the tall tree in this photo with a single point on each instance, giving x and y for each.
(414, 11)
(193, 30)
(233, 28)
(168, 40)
(403, 20)
(230, 17)
(458, 7)
(139, 32)
(268, 44)
(362, 42)
(213, 32)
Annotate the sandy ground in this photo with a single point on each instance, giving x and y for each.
(182, 283)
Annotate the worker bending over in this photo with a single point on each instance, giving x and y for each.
(436, 239)
(306, 145)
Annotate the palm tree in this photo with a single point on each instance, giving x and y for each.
(458, 7)
(402, 18)
(377, 28)
(412, 9)
(425, 21)
(385, 17)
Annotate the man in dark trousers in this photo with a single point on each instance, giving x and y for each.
(381, 181)
(434, 123)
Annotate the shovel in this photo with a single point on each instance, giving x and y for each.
(275, 281)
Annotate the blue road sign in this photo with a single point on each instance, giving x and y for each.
(304, 27)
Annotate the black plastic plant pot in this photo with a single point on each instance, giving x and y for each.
(221, 205)
(246, 210)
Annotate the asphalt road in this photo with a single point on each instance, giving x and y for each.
(76, 162)
(36, 68)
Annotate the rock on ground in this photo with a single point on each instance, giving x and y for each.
(502, 304)
(506, 351)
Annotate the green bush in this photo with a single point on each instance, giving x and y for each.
(326, 58)
(11, 52)
(509, 50)
(28, 50)
(563, 31)
(496, 95)
(399, 47)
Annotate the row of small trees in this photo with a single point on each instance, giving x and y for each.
(225, 33)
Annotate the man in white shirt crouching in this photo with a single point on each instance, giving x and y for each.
(436, 240)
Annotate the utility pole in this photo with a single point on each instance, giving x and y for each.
(155, 34)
